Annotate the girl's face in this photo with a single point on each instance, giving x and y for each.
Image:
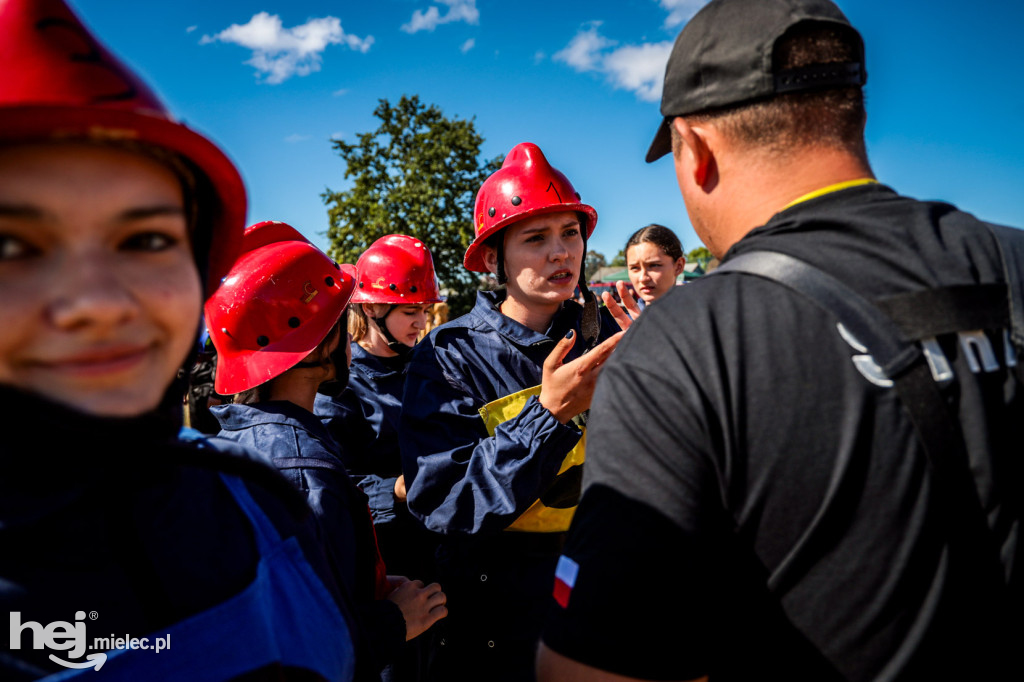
(99, 292)
(652, 271)
(543, 255)
(407, 321)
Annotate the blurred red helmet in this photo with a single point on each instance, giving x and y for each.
(525, 185)
(60, 84)
(396, 269)
(277, 304)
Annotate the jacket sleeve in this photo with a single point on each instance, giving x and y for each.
(460, 480)
(344, 417)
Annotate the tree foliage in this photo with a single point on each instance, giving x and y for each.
(620, 258)
(595, 261)
(416, 174)
(699, 255)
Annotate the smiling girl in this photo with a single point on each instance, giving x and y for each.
(115, 223)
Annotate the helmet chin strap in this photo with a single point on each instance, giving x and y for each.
(500, 254)
(590, 324)
(394, 344)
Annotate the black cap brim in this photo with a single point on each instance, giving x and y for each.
(662, 144)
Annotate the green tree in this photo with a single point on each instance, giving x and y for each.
(620, 259)
(699, 255)
(594, 262)
(416, 174)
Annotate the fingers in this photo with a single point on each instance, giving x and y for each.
(558, 353)
(396, 580)
(437, 602)
(616, 310)
(627, 299)
(598, 355)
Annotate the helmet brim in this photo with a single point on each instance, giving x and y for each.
(474, 259)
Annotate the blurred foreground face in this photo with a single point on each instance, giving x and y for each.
(99, 292)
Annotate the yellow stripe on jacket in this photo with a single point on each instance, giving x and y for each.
(539, 518)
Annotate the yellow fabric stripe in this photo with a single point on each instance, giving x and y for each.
(539, 518)
(828, 190)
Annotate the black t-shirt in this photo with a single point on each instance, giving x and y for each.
(747, 485)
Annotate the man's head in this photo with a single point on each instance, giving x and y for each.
(771, 74)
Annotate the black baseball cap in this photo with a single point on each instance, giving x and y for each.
(724, 57)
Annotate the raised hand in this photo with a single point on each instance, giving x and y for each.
(567, 388)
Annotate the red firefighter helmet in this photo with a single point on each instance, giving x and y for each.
(60, 83)
(396, 269)
(277, 304)
(525, 185)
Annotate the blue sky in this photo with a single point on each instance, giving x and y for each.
(273, 80)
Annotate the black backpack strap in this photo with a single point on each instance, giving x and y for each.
(1011, 250)
(903, 362)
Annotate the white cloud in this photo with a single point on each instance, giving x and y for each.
(190, 29)
(468, 45)
(637, 68)
(539, 56)
(458, 10)
(295, 137)
(340, 91)
(583, 52)
(279, 53)
(679, 11)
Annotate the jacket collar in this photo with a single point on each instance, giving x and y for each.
(369, 364)
(486, 309)
(233, 417)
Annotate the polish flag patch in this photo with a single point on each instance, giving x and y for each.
(565, 579)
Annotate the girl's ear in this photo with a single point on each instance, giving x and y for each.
(491, 259)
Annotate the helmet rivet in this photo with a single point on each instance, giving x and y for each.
(361, 284)
(294, 322)
(412, 289)
(329, 281)
(393, 287)
(516, 201)
(490, 211)
(262, 341)
(578, 198)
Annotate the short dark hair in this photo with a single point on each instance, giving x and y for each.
(262, 392)
(659, 235)
(831, 117)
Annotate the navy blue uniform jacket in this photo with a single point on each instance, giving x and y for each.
(461, 480)
(282, 431)
(365, 418)
(470, 486)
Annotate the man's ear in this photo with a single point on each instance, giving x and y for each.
(696, 153)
